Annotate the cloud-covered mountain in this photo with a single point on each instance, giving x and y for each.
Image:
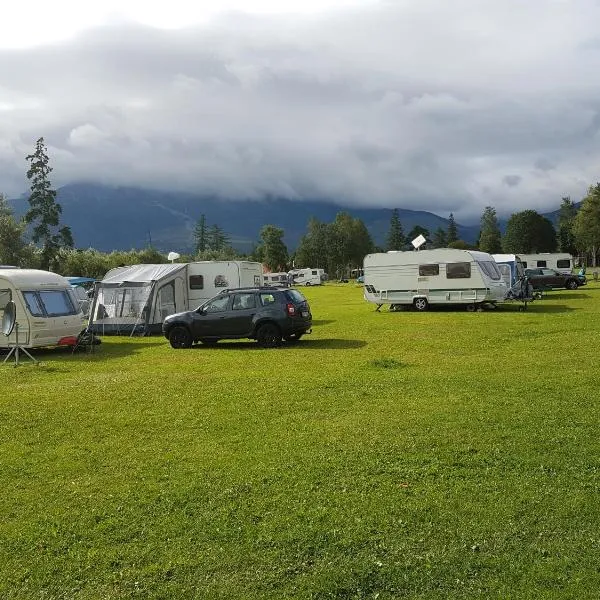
(449, 105)
(108, 218)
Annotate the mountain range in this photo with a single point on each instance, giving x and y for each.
(120, 218)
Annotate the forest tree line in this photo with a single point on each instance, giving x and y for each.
(40, 240)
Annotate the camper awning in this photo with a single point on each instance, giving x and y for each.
(139, 275)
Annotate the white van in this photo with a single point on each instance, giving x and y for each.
(48, 313)
(424, 277)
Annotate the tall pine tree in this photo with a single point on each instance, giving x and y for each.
(201, 234)
(395, 239)
(490, 238)
(45, 211)
(566, 218)
(452, 230)
(586, 225)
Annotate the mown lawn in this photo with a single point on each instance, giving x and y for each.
(388, 455)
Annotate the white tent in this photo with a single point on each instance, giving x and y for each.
(136, 299)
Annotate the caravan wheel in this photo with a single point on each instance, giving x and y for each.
(421, 304)
(471, 307)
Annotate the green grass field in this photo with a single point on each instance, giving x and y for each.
(388, 455)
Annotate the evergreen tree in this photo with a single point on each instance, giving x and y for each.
(490, 238)
(12, 245)
(274, 250)
(216, 239)
(313, 248)
(45, 211)
(452, 230)
(586, 224)
(566, 218)
(440, 239)
(528, 232)
(201, 234)
(395, 239)
(416, 231)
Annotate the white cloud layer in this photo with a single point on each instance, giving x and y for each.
(424, 104)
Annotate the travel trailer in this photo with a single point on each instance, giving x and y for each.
(425, 277)
(561, 262)
(511, 267)
(47, 312)
(136, 299)
(308, 276)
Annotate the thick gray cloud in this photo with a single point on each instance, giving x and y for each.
(428, 104)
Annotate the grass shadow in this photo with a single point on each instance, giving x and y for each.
(104, 351)
(540, 307)
(304, 344)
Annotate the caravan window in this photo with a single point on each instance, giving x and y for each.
(33, 304)
(524, 263)
(460, 270)
(315, 272)
(541, 264)
(5, 298)
(563, 263)
(425, 270)
(490, 269)
(58, 303)
(196, 282)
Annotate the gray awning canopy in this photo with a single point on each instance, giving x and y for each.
(139, 275)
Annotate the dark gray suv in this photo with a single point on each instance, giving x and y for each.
(267, 315)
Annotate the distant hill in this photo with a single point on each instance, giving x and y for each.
(113, 218)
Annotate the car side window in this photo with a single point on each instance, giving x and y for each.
(266, 299)
(244, 301)
(217, 305)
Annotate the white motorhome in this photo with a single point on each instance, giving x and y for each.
(48, 313)
(308, 276)
(559, 261)
(276, 279)
(441, 276)
(136, 299)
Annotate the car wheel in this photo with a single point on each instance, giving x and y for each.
(209, 341)
(572, 284)
(268, 336)
(421, 304)
(292, 337)
(180, 337)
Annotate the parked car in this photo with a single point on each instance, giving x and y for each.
(542, 279)
(266, 314)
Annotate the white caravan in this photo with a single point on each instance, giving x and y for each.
(136, 299)
(308, 276)
(48, 313)
(561, 262)
(441, 276)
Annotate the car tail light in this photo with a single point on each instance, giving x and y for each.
(291, 309)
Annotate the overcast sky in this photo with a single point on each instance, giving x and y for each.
(439, 105)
